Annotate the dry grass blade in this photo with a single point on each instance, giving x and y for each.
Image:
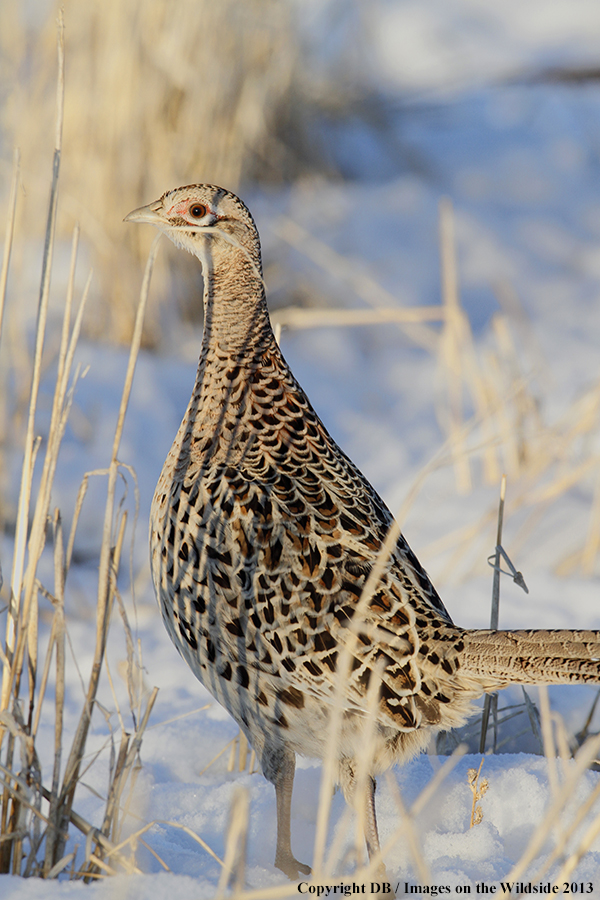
(406, 831)
(11, 676)
(87, 829)
(77, 512)
(243, 752)
(330, 763)
(581, 736)
(583, 847)
(135, 346)
(234, 864)
(131, 755)
(112, 849)
(492, 702)
(328, 781)
(364, 767)
(58, 633)
(453, 345)
(8, 237)
(409, 832)
(104, 600)
(442, 773)
(61, 865)
(568, 832)
(352, 275)
(60, 410)
(19, 789)
(590, 550)
(21, 627)
(299, 317)
(548, 739)
(364, 763)
(533, 717)
(230, 745)
(123, 770)
(116, 787)
(586, 755)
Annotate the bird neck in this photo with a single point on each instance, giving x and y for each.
(237, 327)
(237, 337)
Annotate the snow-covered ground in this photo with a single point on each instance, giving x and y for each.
(520, 162)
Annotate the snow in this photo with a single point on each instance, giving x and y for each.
(520, 162)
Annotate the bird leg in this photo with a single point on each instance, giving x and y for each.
(361, 796)
(280, 770)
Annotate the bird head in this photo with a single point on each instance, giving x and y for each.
(192, 215)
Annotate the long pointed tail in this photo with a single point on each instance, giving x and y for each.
(498, 658)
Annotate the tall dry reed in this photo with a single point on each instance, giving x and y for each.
(34, 818)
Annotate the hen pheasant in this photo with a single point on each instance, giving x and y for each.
(263, 534)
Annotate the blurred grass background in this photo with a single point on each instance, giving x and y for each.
(160, 94)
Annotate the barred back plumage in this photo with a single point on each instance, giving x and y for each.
(263, 534)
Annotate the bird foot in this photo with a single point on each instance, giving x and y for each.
(290, 866)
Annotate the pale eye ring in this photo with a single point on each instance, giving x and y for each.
(197, 210)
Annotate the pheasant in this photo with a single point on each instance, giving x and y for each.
(263, 536)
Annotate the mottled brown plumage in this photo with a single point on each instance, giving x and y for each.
(263, 534)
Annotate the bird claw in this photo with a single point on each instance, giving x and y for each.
(290, 866)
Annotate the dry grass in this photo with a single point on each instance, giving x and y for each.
(487, 409)
(160, 94)
(33, 841)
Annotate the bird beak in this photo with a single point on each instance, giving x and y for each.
(149, 214)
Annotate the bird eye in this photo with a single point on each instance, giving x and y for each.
(198, 211)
